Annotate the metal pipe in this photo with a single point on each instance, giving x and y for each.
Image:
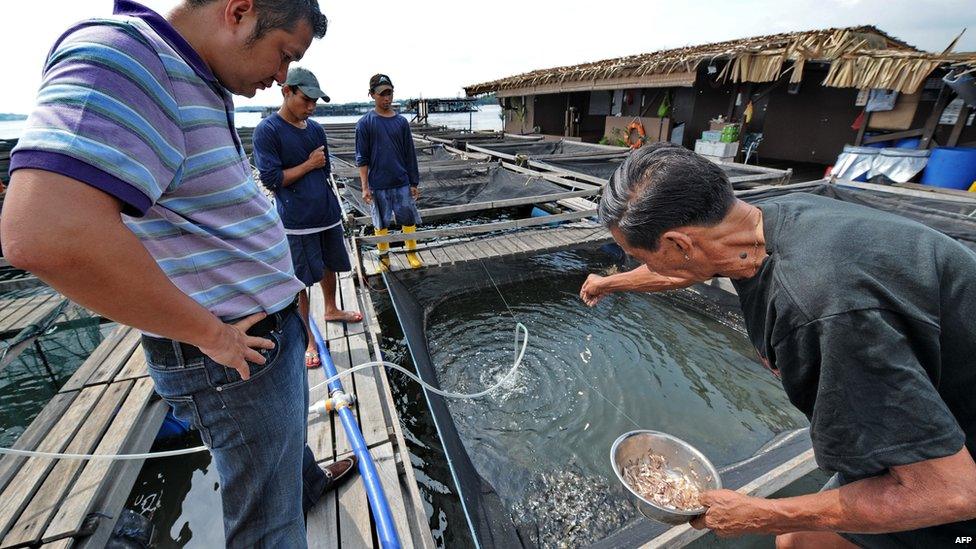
(385, 527)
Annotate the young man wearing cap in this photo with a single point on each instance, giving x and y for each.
(388, 167)
(292, 153)
(132, 196)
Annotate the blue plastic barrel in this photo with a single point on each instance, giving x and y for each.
(951, 167)
(908, 143)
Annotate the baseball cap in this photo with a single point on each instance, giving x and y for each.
(380, 82)
(305, 81)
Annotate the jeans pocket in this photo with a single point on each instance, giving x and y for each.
(185, 409)
(225, 378)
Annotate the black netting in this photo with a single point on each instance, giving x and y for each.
(490, 525)
(551, 149)
(952, 216)
(464, 183)
(603, 168)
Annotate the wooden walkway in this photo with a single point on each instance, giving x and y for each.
(526, 241)
(343, 518)
(109, 407)
(24, 308)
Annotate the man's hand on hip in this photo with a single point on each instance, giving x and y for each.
(233, 348)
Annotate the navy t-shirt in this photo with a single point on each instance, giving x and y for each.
(385, 145)
(868, 319)
(308, 203)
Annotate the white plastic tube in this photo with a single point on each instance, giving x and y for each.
(345, 373)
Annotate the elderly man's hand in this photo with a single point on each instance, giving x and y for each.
(730, 514)
(592, 291)
(414, 192)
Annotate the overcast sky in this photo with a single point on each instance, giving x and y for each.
(433, 48)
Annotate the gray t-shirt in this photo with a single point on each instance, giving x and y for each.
(869, 319)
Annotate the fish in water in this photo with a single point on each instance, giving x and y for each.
(571, 509)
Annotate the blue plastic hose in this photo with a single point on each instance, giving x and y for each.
(385, 528)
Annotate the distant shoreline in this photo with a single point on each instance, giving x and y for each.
(5, 116)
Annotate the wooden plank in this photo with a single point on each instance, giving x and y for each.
(353, 511)
(932, 123)
(958, 126)
(465, 251)
(135, 367)
(350, 302)
(386, 469)
(25, 483)
(87, 368)
(353, 506)
(592, 182)
(320, 430)
(15, 320)
(109, 367)
(34, 434)
(21, 283)
(439, 255)
(482, 228)
(372, 417)
(520, 244)
(35, 517)
(427, 257)
(322, 524)
(534, 239)
(96, 473)
(9, 307)
(112, 496)
(340, 357)
(369, 263)
(33, 316)
(40, 311)
(503, 243)
(495, 249)
(399, 261)
(431, 214)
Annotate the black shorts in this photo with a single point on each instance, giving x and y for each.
(313, 254)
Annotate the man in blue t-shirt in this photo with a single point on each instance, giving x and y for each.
(292, 154)
(388, 168)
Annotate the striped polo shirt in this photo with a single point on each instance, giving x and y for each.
(127, 106)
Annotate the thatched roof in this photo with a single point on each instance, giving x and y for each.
(860, 57)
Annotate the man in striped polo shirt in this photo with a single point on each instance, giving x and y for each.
(135, 117)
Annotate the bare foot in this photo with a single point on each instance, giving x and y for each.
(344, 316)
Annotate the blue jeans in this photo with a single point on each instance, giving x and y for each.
(256, 432)
(395, 202)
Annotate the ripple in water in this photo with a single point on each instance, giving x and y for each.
(637, 361)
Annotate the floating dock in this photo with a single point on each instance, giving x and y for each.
(109, 407)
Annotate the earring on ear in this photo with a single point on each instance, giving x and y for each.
(687, 258)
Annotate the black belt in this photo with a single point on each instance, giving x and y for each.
(271, 323)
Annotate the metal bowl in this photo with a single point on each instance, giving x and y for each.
(677, 454)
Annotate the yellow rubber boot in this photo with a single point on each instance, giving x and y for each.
(383, 247)
(412, 256)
